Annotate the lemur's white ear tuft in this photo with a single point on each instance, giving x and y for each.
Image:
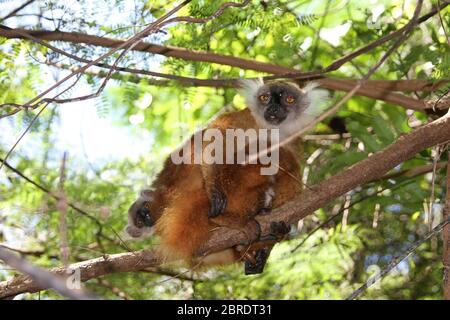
(317, 98)
(249, 88)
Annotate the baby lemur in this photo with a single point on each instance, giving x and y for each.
(187, 201)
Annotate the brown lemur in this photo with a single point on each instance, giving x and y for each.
(187, 201)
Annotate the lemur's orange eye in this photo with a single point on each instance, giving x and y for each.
(264, 98)
(290, 99)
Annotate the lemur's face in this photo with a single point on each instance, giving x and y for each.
(277, 101)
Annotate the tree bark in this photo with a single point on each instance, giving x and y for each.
(94, 268)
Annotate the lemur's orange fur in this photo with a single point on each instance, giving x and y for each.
(182, 198)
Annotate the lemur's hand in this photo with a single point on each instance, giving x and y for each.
(218, 203)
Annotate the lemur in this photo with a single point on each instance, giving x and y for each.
(187, 201)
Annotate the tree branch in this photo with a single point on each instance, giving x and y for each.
(375, 89)
(13, 13)
(94, 268)
(42, 278)
(29, 252)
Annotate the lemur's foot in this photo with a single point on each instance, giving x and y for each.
(260, 259)
(278, 230)
(218, 203)
(258, 252)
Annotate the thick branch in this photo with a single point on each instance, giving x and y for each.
(372, 168)
(42, 277)
(94, 268)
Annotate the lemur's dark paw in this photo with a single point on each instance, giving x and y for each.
(143, 217)
(279, 228)
(261, 256)
(218, 203)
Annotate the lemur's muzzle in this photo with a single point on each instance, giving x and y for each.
(275, 114)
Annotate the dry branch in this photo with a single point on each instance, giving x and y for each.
(122, 262)
(41, 277)
(15, 11)
(372, 168)
(127, 45)
(26, 252)
(168, 51)
(375, 89)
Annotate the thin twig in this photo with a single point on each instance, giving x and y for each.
(441, 20)
(13, 13)
(127, 46)
(117, 291)
(34, 120)
(372, 280)
(27, 252)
